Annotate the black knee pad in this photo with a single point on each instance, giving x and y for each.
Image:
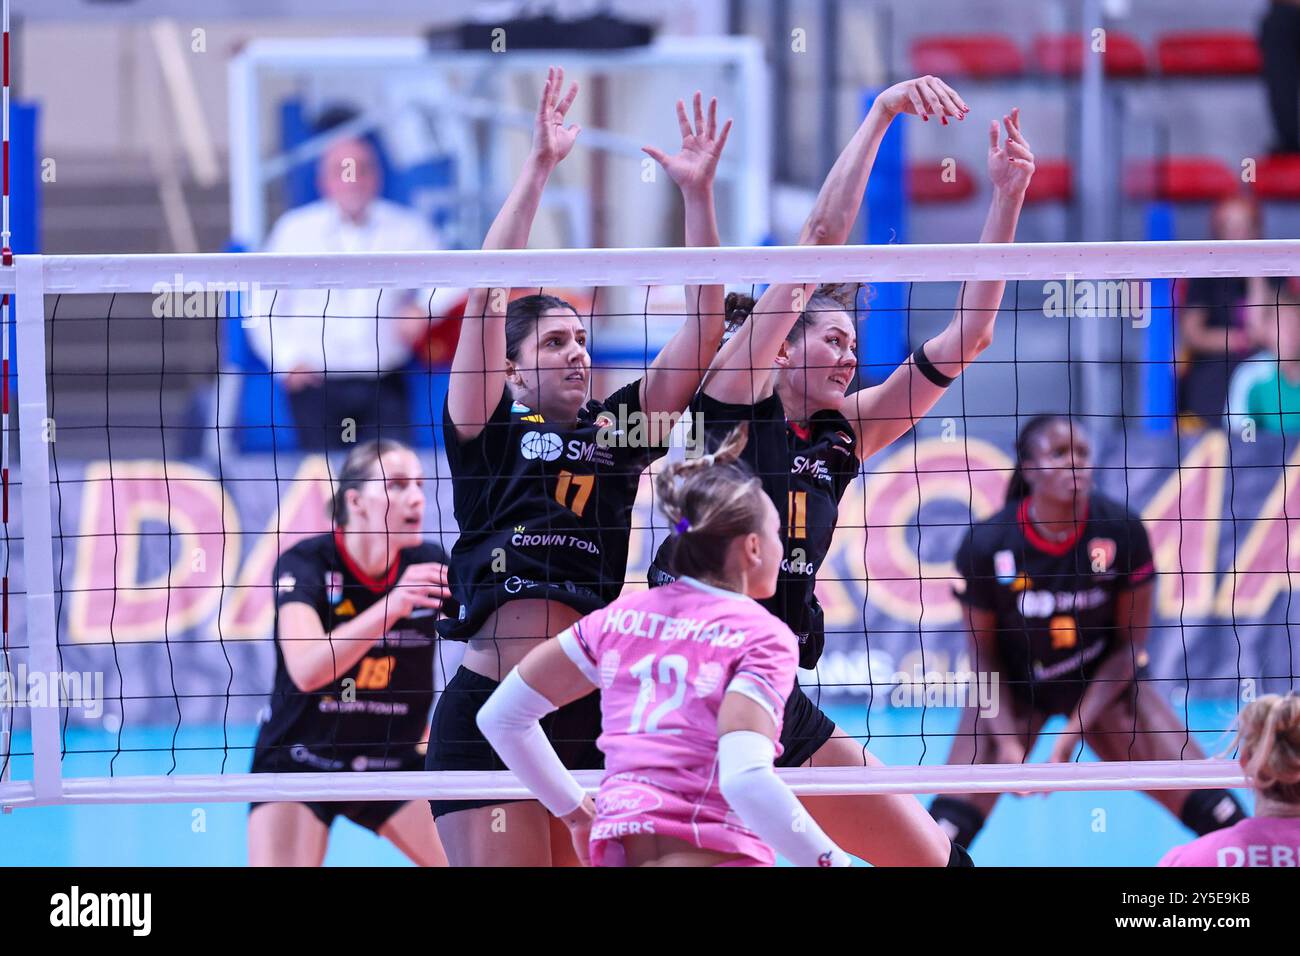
(958, 856)
(962, 821)
(1208, 810)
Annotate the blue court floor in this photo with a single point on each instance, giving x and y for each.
(1065, 829)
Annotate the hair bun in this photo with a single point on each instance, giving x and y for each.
(845, 293)
(739, 307)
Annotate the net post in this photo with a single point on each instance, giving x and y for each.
(38, 558)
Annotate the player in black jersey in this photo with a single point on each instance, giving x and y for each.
(544, 484)
(354, 660)
(1057, 590)
(787, 371)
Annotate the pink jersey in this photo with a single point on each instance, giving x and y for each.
(1258, 841)
(663, 660)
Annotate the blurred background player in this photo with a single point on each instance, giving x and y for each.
(693, 679)
(789, 372)
(354, 661)
(545, 509)
(1057, 591)
(1268, 735)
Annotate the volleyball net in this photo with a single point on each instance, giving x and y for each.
(141, 529)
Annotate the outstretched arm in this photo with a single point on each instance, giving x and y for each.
(675, 375)
(742, 371)
(478, 369)
(884, 412)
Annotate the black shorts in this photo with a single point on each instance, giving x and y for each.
(1061, 697)
(803, 730)
(371, 814)
(456, 743)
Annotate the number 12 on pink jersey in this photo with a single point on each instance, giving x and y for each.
(671, 671)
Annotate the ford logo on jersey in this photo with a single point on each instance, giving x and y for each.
(543, 445)
(627, 801)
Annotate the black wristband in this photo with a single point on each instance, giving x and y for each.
(926, 368)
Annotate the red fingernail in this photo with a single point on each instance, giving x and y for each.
(945, 121)
(926, 118)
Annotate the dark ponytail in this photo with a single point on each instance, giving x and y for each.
(358, 468)
(1018, 488)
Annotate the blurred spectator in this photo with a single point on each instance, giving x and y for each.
(1279, 41)
(339, 354)
(1265, 389)
(1268, 735)
(1213, 335)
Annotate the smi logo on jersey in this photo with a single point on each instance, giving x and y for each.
(548, 446)
(545, 446)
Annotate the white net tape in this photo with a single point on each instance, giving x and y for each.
(34, 278)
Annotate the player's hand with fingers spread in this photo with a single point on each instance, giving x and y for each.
(579, 824)
(924, 96)
(694, 166)
(421, 585)
(552, 140)
(1011, 163)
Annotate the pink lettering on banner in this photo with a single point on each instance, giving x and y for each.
(248, 611)
(1270, 555)
(970, 473)
(1182, 520)
(123, 507)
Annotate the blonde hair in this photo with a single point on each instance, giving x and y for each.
(1268, 733)
(710, 501)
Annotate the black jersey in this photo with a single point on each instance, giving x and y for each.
(1054, 601)
(805, 471)
(545, 511)
(376, 721)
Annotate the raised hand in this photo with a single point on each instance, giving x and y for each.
(1011, 164)
(924, 96)
(552, 140)
(694, 166)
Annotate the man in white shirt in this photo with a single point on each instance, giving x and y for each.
(339, 353)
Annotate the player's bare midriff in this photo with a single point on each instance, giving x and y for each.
(511, 632)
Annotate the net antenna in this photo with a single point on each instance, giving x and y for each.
(7, 258)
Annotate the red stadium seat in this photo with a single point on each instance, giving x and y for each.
(1061, 54)
(978, 55)
(1278, 177)
(926, 183)
(1209, 52)
(1053, 182)
(1181, 179)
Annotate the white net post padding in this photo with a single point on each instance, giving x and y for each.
(33, 277)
